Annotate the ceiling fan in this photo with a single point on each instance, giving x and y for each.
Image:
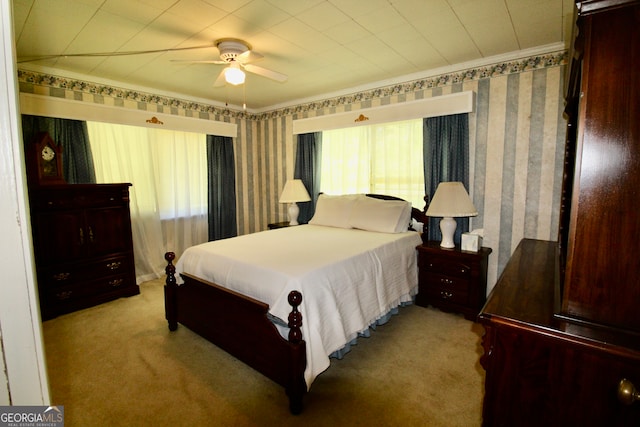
(238, 57)
(234, 53)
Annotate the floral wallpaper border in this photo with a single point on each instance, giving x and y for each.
(27, 79)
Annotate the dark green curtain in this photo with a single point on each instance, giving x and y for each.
(222, 187)
(77, 161)
(446, 158)
(307, 168)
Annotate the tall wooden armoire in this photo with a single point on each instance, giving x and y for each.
(562, 343)
(83, 245)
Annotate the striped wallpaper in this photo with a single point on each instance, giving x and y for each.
(516, 142)
(516, 152)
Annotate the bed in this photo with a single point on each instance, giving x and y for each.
(283, 301)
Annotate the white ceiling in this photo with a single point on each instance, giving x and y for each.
(324, 46)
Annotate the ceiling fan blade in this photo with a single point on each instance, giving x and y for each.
(190, 61)
(220, 81)
(273, 75)
(248, 56)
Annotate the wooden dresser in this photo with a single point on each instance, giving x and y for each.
(562, 343)
(542, 370)
(83, 245)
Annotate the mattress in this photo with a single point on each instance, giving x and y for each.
(348, 278)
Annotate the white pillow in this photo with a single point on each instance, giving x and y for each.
(334, 211)
(386, 216)
(405, 220)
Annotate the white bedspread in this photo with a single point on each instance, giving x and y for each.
(348, 278)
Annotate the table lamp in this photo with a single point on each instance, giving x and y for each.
(451, 200)
(293, 192)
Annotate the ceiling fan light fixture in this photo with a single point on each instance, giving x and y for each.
(234, 75)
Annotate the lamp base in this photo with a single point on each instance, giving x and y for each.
(448, 228)
(294, 210)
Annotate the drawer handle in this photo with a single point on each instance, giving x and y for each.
(114, 265)
(446, 281)
(627, 392)
(116, 282)
(61, 276)
(64, 295)
(445, 294)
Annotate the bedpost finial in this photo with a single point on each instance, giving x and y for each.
(170, 256)
(295, 298)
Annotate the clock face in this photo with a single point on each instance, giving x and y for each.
(48, 154)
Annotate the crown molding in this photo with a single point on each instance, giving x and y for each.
(519, 55)
(515, 62)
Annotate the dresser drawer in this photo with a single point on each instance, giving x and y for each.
(72, 293)
(446, 288)
(78, 196)
(450, 267)
(67, 274)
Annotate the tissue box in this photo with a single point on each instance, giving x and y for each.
(471, 242)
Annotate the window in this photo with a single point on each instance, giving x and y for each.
(168, 168)
(384, 158)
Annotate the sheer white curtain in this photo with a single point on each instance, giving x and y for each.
(168, 173)
(346, 161)
(384, 158)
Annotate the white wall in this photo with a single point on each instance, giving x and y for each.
(23, 379)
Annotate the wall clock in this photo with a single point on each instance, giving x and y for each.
(44, 161)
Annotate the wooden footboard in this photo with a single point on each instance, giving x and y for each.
(240, 326)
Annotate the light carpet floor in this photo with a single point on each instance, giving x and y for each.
(117, 364)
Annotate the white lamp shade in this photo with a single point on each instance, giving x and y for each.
(451, 200)
(294, 191)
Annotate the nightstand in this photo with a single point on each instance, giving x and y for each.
(452, 279)
(275, 225)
